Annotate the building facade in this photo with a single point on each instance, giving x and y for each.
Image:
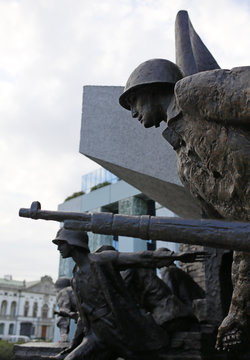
(27, 308)
(118, 197)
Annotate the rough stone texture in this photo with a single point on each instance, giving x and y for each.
(111, 138)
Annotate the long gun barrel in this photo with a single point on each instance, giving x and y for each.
(209, 233)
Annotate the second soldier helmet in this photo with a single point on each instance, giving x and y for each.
(72, 237)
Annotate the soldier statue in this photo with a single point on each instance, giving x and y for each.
(66, 307)
(207, 117)
(109, 313)
(206, 111)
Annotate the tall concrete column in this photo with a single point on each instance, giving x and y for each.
(97, 240)
(132, 206)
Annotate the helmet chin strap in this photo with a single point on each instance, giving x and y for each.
(173, 138)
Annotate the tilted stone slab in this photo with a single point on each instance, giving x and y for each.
(141, 157)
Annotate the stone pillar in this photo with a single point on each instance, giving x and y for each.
(132, 206)
(97, 240)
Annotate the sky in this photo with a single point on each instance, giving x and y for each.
(50, 49)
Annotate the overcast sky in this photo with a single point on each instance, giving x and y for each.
(49, 50)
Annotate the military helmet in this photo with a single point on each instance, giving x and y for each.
(62, 282)
(72, 237)
(154, 71)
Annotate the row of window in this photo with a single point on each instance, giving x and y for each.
(26, 328)
(3, 309)
(13, 307)
(11, 329)
(10, 294)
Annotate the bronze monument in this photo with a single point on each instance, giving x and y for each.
(206, 110)
(110, 315)
(207, 115)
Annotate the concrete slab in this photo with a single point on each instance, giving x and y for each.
(140, 156)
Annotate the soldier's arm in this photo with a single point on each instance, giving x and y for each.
(155, 259)
(222, 95)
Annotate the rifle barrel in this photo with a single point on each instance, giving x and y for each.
(209, 233)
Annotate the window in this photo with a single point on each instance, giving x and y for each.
(1, 329)
(11, 329)
(26, 308)
(4, 307)
(26, 328)
(35, 307)
(45, 310)
(13, 309)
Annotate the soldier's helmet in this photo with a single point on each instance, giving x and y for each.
(154, 71)
(72, 237)
(62, 282)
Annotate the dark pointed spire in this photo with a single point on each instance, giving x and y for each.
(192, 55)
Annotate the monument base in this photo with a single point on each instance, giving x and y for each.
(183, 346)
(37, 350)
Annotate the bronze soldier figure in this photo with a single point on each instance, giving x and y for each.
(66, 307)
(109, 313)
(207, 116)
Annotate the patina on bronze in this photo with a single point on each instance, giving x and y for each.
(109, 314)
(207, 118)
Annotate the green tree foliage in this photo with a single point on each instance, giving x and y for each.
(6, 350)
(98, 186)
(74, 195)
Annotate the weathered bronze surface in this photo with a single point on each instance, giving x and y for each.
(208, 126)
(109, 313)
(206, 110)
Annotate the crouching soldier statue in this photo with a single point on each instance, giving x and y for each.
(112, 322)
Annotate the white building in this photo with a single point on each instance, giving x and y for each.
(26, 308)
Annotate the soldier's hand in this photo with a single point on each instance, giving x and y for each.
(193, 256)
(73, 315)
